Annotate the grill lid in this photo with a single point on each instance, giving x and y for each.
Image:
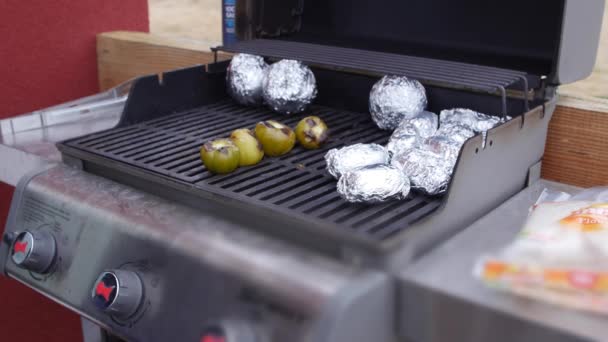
(553, 38)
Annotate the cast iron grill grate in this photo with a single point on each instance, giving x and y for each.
(295, 185)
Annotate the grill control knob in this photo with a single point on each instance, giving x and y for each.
(118, 293)
(34, 251)
(232, 330)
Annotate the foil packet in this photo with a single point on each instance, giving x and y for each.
(429, 172)
(456, 132)
(476, 121)
(444, 147)
(430, 162)
(245, 79)
(373, 184)
(289, 87)
(411, 132)
(424, 124)
(395, 98)
(345, 159)
(560, 255)
(403, 144)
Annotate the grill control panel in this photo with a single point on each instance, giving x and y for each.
(147, 269)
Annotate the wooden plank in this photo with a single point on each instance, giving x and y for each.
(123, 55)
(577, 146)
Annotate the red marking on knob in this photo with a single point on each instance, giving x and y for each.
(20, 247)
(104, 291)
(211, 338)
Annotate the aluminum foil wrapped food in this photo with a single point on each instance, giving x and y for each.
(395, 98)
(411, 132)
(429, 172)
(455, 132)
(289, 87)
(372, 184)
(444, 147)
(476, 121)
(245, 78)
(343, 160)
(430, 165)
(403, 144)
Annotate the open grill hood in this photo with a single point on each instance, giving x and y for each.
(556, 39)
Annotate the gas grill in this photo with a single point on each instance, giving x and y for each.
(294, 190)
(140, 238)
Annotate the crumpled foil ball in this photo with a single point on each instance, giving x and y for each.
(476, 121)
(340, 161)
(373, 184)
(428, 172)
(411, 132)
(245, 79)
(289, 87)
(395, 98)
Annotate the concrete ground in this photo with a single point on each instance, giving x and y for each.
(201, 20)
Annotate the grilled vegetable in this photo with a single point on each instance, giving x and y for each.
(276, 138)
(250, 148)
(312, 132)
(220, 156)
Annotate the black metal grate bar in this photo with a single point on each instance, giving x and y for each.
(294, 185)
(427, 70)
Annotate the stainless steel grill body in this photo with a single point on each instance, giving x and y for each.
(199, 269)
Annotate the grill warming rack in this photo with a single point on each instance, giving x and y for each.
(429, 71)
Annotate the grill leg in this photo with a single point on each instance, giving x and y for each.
(91, 332)
(534, 173)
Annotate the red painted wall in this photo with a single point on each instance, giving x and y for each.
(48, 56)
(47, 48)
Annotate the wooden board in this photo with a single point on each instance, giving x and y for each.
(577, 147)
(123, 55)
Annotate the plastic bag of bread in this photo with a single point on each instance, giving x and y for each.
(560, 255)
